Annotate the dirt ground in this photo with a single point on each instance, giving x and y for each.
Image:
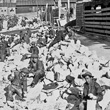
(101, 47)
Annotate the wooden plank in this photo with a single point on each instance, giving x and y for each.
(97, 18)
(95, 30)
(88, 29)
(97, 26)
(94, 26)
(97, 14)
(93, 18)
(105, 9)
(93, 11)
(99, 31)
(92, 22)
(95, 22)
(106, 18)
(107, 32)
(93, 14)
(105, 23)
(106, 27)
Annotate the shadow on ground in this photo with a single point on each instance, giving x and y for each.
(106, 47)
(89, 40)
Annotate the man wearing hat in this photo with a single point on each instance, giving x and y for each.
(24, 72)
(37, 68)
(92, 90)
(14, 88)
(60, 36)
(34, 49)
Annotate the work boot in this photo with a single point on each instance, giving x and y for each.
(105, 75)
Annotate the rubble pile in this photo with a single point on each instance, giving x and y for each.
(66, 58)
(10, 23)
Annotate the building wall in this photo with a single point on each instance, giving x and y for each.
(26, 9)
(8, 7)
(7, 10)
(25, 6)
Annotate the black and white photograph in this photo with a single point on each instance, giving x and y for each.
(54, 54)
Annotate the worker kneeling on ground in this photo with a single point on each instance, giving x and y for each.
(91, 91)
(72, 93)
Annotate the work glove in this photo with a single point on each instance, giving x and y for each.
(92, 96)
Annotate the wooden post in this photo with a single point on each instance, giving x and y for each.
(68, 5)
(59, 6)
(68, 12)
(46, 12)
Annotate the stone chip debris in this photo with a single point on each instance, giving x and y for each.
(65, 58)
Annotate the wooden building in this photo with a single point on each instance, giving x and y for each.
(23, 6)
(95, 18)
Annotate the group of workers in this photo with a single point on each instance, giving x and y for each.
(91, 91)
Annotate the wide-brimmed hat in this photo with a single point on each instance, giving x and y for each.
(87, 74)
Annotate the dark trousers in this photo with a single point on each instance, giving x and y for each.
(55, 41)
(11, 90)
(74, 100)
(37, 78)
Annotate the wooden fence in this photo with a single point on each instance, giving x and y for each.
(97, 21)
